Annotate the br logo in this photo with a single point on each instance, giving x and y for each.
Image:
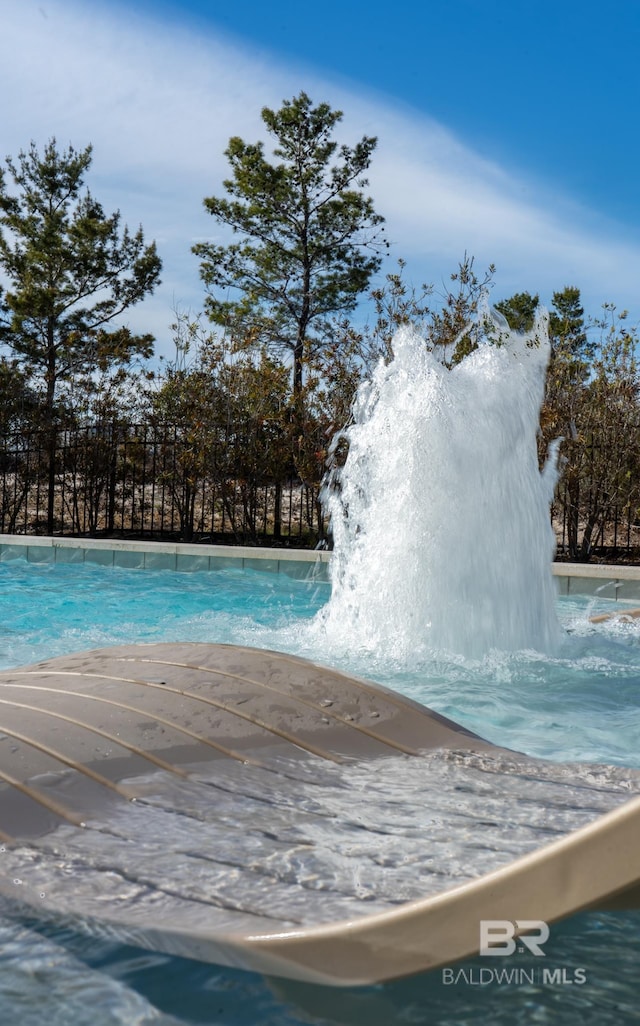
(497, 936)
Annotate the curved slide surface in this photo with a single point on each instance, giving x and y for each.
(256, 810)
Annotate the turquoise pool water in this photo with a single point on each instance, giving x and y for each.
(581, 705)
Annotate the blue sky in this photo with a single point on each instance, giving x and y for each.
(506, 129)
(548, 86)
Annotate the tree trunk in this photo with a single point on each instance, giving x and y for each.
(113, 473)
(573, 512)
(50, 425)
(277, 512)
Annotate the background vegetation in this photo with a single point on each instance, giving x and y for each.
(231, 438)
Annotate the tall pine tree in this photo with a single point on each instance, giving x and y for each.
(72, 271)
(309, 239)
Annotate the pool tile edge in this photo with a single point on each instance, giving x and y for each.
(621, 583)
(299, 564)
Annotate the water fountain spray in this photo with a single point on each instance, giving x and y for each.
(440, 515)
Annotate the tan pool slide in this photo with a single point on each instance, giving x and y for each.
(256, 810)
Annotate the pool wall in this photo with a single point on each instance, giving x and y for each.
(619, 583)
(150, 555)
(608, 581)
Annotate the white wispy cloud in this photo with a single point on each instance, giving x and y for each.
(159, 103)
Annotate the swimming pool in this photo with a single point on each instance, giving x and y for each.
(582, 705)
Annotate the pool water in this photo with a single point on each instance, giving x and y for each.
(581, 705)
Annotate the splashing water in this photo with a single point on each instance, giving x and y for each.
(440, 516)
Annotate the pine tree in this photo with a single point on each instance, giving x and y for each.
(71, 273)
(519, 310)
(309, 238)
(567, 327)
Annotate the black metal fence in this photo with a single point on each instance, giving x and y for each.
(154, 481)
(225, 484)
(586, 531)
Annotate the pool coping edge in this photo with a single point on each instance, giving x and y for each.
(611, 581)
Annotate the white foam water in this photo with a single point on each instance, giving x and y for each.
(440, 515)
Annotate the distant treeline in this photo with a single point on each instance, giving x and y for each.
(232, 437)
